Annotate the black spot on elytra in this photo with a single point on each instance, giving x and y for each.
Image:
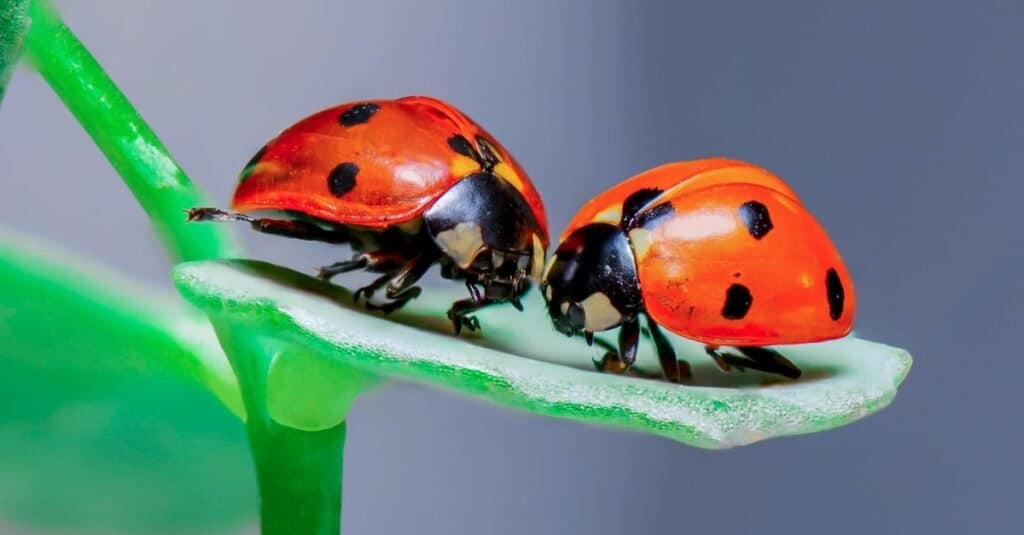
(636, 202)
(755, 217)
(488, 151)
(650, 216)
(358, 114)
(836, 294)
(342, 179)
(737, 302)
(461, 145)
(250, 166)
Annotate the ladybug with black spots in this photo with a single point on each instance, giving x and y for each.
(716, 250)
(407, 183)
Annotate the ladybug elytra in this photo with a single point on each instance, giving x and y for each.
(407, 183)
(715, 250)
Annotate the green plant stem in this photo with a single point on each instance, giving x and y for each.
(299, 475)
(298, 472)
(156, 180)
(13, 24)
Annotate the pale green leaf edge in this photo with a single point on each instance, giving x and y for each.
(848, 379)
(148, 331)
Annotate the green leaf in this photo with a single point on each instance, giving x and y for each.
(106, 419)
(57, 310)
(81, 452)
(13, 25)
(520, 361)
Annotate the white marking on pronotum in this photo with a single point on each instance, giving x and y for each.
(599, 313)
(611, 215)
(640, 239)
(462, 243)
(537, 269)
(547, 269)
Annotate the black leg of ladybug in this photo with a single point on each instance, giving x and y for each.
(771, 361)
(460, 312)
(400, 287)
(474, 292)
(400, 300)
(601, 342)
(337, 268)
(366, 292)
(374, 261)
(676, 370)
(755, 358)
(620, 361)
(720, 359)
(290, 228)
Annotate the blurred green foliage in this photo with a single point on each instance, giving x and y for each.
(13, 25)
(107, 422)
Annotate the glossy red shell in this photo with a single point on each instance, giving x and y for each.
(399, 159)
(707, 274)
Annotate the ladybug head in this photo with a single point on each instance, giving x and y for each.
(488, 231)
(591, 283)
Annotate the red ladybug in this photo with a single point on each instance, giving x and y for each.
(407, 183)
(716, 250)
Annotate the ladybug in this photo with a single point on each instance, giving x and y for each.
(407, 183)
(715, 250)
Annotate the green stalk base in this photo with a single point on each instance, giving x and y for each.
(298, 472)
(299, 475)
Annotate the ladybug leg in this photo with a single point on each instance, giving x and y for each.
(460, 312)
(721, 360)
(366, 292)
(290, 228)
(403, 282)
(401, 288)
(620, 361)
(755, 358)
(215, 214)
(602, 343)
(337, 268)
(676, 370)
(374, 261)
(474, 292)
(629, 341)
(399, 302)
(399, 285)
(771, 361)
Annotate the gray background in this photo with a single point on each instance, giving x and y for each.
(899, 123)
